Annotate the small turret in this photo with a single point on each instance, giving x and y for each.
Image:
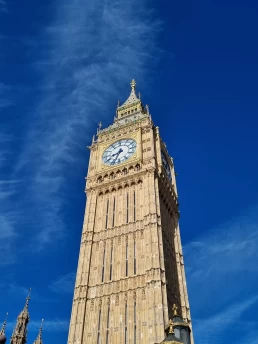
(182, 329)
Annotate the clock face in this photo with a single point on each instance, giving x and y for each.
(119, 152)
(166, 166)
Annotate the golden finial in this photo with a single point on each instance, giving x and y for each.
(171, 329)
(175, 308)
(4, 325)
(133, 84)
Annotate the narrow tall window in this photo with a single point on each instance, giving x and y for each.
(107, 214)
(126, 259)
(107, 335)
(103, 265)
(114, 212)
(126, 323)
(134, 322)
(127, 207)
(98, 341)
(134, 206)
(111, 263)
(134, 257)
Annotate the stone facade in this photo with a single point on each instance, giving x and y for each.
(130, 269)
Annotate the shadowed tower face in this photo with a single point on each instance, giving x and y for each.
(130, 270)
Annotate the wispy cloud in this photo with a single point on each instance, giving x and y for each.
(222, 275)
(3, 6)
(64, 284)
(5, 99)
(5, 151)
(54, 325)
(227, 318)
(88, 52)
(9, 216)
(12, 288)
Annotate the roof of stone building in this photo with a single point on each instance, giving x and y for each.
(133, 97)
(177, 320)
(2, 339)
(2, 332)
(171, 335)
(25, 312)
(132, 105)
(20, 329)
(39, 337)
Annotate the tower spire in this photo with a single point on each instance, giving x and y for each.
(4, 325)
(132, 105)
(133, 84)
(27, 300)
(19, 335)
(39, 337)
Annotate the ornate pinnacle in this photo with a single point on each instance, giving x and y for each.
(41, 328)
(28, 299)
(175, 308)
(39, 337)
(133, 84)
(99, 127)
(4, 325)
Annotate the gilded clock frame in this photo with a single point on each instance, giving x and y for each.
(137, 156)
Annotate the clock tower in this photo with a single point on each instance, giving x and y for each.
(130, 270)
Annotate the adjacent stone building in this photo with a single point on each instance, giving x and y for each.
(19, 335)
(130, 270)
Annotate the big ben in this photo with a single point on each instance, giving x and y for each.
(130, 282)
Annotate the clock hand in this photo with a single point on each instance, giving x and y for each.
(120, 151)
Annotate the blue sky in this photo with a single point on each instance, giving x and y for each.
(62, 69)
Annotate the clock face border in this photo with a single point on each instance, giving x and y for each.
(136, 157)
(127, 149)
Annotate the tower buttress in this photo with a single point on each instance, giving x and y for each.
(19, 335)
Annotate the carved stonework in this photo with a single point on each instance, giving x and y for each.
(19, 335)
(131, 254)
